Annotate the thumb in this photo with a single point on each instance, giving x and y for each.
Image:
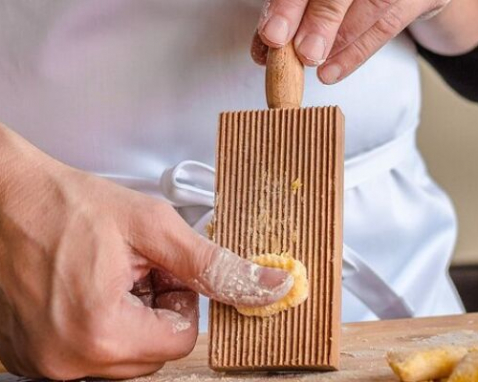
(162, 236)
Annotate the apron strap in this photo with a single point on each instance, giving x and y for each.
(365, 284)
(190, 184)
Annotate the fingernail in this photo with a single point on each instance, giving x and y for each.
(330, 74)
(312, 47)
(276, 280)
(270, 285)
(236, 281)
(276, 30)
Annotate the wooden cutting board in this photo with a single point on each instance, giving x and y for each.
(362, 353)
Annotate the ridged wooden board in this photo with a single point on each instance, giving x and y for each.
(260, 155)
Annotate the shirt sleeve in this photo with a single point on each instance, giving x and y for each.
(459, 72)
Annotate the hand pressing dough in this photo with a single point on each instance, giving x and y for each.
(298, 293)
(425, 364)
(466, 370)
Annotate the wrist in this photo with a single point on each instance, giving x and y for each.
(20, 164)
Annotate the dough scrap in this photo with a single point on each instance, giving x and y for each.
(425, 364)
(295, 186)
(297, 294)
(466, 370)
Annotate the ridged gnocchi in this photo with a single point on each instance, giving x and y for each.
(298, 293)
(466, 370)
(425, 364)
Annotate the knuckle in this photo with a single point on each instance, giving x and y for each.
(89, 341)
(97, 348)
(390, 24)
(207, 256)
(381, 4)
(288, 4)
(67, 360)
(344, 36)
(324, 14)
(360, 53)
(209, 252)
(101, 349)
(48, 365)
(156, 212)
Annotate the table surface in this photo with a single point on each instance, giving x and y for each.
(364, 346)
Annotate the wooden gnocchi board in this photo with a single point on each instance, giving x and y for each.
(279, 190)
(362, 352)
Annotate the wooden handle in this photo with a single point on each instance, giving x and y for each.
(284, 78)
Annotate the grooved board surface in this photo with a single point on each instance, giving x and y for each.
(279, 188)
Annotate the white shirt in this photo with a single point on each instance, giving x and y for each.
(126, 89)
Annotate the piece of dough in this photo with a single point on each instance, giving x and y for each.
(425, 364)
(297, 294)
(466, 370)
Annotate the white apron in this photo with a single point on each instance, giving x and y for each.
(131, 90)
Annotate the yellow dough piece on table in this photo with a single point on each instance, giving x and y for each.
(466, 370)
(297, 294)
(425, 364)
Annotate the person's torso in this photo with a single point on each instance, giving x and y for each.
(129, 87)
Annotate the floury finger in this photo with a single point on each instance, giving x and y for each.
(236, 281)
